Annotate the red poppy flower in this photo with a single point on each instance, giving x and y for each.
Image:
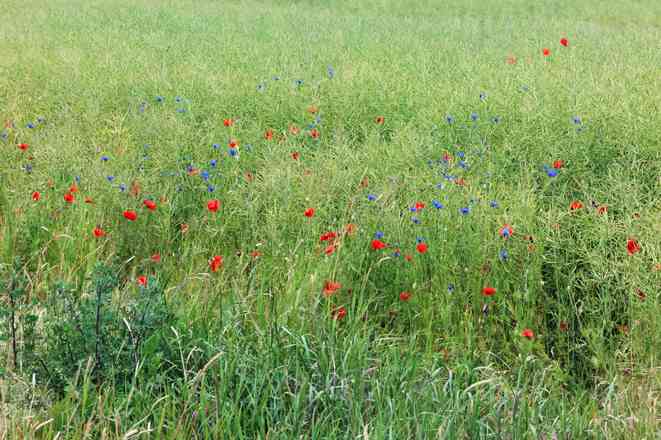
(575, 205)
(149, 204)
(330, 287)
(327, 236)
(295, 155)
(602, 209)
(460, 181)
(641, 294)
(422, 247)
(511, 60)
(378, 245)
(380, 120)
(228, 122)
(632, 246)
(142, 281)
(73, 189)
(156, 258)
(563, 326)
(564, 42)
(294, 130)
(309, 213)
(213, 205)
(404, 296)
(69, 198)
(23, 147)
(329, 249)
(527, 333)
(419, 206)
(98, 232)
(233, 143)
(313, 109)
(546, 52)
(193, 172)
(215, 263)
(130, 215)
(350, 228)
(36, 196)
(268, 135)
(447, 157)
(89, 200)
(255, 254)
(557, 164)
(488, 291)
(339, 313)
(183, 228)
(408, 258)
(314, 133)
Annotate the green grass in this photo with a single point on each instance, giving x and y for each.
(252, 350)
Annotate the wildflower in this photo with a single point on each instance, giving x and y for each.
(184, 228)
(313, 109)
(98, 232)
(511, 59)
(233, 143)
(379, 120)
(149, 204)
(496, 119)
(437, 204)
(215, 263)
(602, 209)
(328, 236)
(213, 205)
(546, 52)
(69, 198)
(378, 244)
(450, 119)
(632, 246)
(294, 130)
(156, 258)
(450, 288)
(122, 187)
(73, 189)
(506, 231)
(527, 333)
(130, 215)
(474, 117)
(330, 71)
(422, 247)
(404, 296)
(329, 249)
(563, 326)
(378, 235)
(233, 152)
(314, 133)
(89, 200)
(110, 178)
(339, 313)
(465, 210)
(350, 228)
(503, 255)
(23, 147)
(309, 213)
(564, 42)
(295, 155)
(408, 258)
(268, 135)
(576, 120)
(575, 205)
(160, 99)
(488, 291)
(142, 281)
(330, 287)
(551, 172)
(213, 163)
(557, 164)
(36, 196)
(228, 122)
(371, 197)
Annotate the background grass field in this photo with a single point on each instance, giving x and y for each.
(255, 349)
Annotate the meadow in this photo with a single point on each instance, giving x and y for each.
(330, 219)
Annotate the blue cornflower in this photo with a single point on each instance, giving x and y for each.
(551, 172)
(461, 154)
(450, 119)
(204, 175)
(77, 179)
(495, 119)
(371, 197)
(415, 220)
(298, 82)
(41, 119)
(331, 71)
(397, 254)
(105, 158)
(493, 204)
(160, 99)
(110, 178)
(122, 187)
(503, 254)
(419, 240)
(378, 235)
(437, 204)
(450, 288)
(233, 152)
(143, 106)
(576, 120)
(211, 188)
(178, 98)
(413, 209)
(483, 96)
(213, 163)
(474, 117)
(4, 135)
(215, 146)
(465, 210)
(28, 168)
(440, 185)
(30, 125)
(463, 164)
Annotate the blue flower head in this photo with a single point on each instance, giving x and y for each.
(483, 96)
(181, 110)
(211, 188)
(551, 172)
(30, 125)
(178, 98)
(378, 235)
(160, 98)
(77, 179)
(261, 87)
(371, 197)
(440, 185)
(474, 116)
(450, 288)
(437, 204)
(105, 158)
(576, 120)
(419, 240)
(331, 71)
(503, 255)
(413, 209)
(493, 204)
(215, 146)
(122, 187)
(415, 220)
(213, 163)
(233, 152)
(298, 82)
(495, 119)
(461, 154)
(110, 178)
(205, 175)
(450, 119)
(28, 168)
(465, 210)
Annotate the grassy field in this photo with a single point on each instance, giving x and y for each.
(330, 219)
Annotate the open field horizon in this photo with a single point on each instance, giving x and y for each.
(332, 219)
